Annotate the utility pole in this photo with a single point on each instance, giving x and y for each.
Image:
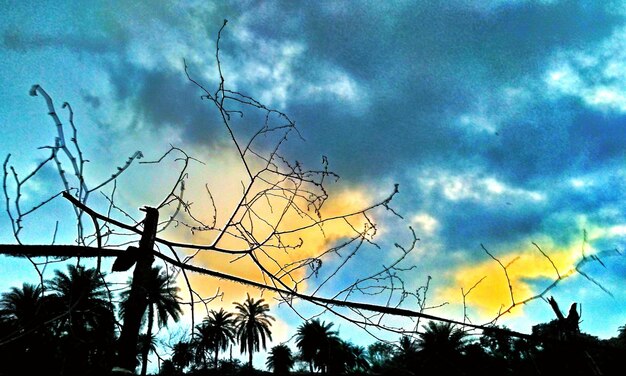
(142, 257)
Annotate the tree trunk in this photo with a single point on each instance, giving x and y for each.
(556, 309)
(250, 348)
(217, 351)
(147, 341)
(137, 300)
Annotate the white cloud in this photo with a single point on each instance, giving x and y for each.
(335, 83)
(475, 187)
(580, 183)
(425, 222)
(478, 122)
(611, 97)
(564, 79)
(597, 76)
(283, 83)
(618, 230)
(270, 65)
(280, 72)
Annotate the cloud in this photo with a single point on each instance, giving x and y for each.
(425, 222)
(524, 266)
(457, 186)
(595, 74)
(315, 241)
(408, 79)
(425, 72)
(160, 99)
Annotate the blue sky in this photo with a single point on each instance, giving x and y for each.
(503, 122)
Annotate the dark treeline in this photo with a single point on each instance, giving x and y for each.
(69, 326)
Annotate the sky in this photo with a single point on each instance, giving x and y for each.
(502, 122)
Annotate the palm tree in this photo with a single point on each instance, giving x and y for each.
(340, 358)
(182, 355)
(215, 333)
(253, 325)
(142, 341)
(167, 368)
(86, 319)
(379, 354)
(358, 358)
(441, 345)
(306, 342)
(82, 296)
(23, 306)
(621, 336)
(23, 313)
(407, 348)
(280, 359)
(202, 343)
(441, 338)
(162, 296)
(314, 338)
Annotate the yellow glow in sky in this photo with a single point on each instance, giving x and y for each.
(314, 244)
(523, 263)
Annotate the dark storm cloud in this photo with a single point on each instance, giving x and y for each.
(419, 67)
(411, 40)
(467, 222)
(423, 66)
(437, 37)
(517, 38)
(163, 98)
(534, 147)
(599, 136)
(559, 209)
(556, 140)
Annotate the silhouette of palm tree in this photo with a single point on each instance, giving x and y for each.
(144, 341)
(81, 295)
(280, 359)
(162, 296)
(253, 325)
(344, 357)
(440, 346)
(182, 355)
(441, 338)
(23, 306)
(314, 339)
(379, 354)
(86, 319)
(407, 349)
(215, 333)
(23, 313)
(358, 361)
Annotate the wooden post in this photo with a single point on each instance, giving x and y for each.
(126, 360)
